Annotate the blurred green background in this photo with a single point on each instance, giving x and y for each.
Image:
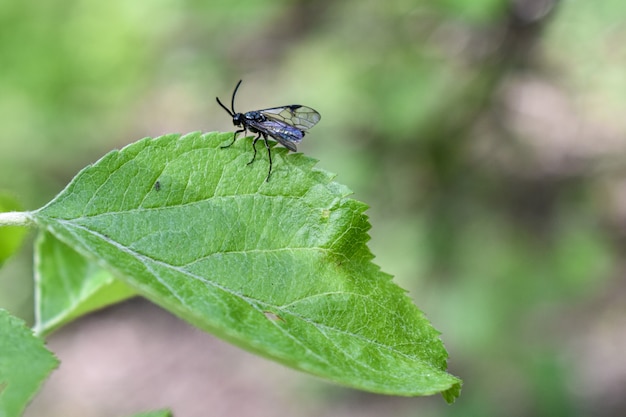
(487, 136)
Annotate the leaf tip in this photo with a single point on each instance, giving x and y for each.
(451, 394)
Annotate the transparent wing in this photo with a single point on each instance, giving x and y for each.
(295, 115)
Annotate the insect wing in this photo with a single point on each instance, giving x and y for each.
(286, 135)
(300, 117)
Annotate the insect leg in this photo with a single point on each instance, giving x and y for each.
(254, 147)
(269, 155)
(234, 138)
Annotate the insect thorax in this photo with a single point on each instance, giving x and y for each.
(255, 116)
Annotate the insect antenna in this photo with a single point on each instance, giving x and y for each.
(232, 101)
(223, 106)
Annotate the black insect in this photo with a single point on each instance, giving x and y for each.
(286, 124)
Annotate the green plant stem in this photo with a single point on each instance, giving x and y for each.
(15, 218)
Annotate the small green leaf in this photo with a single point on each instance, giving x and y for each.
(280, 268)
(24, 364)
(10, 236)
(68, 285)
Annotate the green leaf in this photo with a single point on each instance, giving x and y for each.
(69, 285)
(280, 268)
(10, 236)
(24, 364)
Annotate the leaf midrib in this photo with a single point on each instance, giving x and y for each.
(139, 210)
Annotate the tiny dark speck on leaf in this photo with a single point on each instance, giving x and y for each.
(157, 186)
